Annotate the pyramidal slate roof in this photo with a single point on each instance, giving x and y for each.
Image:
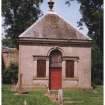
(52, 26)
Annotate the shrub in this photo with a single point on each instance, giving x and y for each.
(10, 75)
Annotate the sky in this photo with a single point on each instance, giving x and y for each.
(70, 13)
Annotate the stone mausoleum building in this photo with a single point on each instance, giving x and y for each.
(53, 54)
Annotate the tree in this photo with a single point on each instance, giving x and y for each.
(92, 11)
(3, 64)
(97, 64)
(18, 15)
(92, 16)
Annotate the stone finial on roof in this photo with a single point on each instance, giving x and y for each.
(51, 3)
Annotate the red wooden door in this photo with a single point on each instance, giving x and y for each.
(55, 78)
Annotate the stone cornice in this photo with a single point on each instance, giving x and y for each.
(39, 57)
(62, 42)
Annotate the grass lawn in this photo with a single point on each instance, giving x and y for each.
(71, 97)
(32, 98)
(84, 97)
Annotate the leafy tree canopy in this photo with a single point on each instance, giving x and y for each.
(18, 15)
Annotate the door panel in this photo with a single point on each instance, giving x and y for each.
(55, 78)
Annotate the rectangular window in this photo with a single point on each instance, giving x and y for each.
(69, 68)
(41, 68)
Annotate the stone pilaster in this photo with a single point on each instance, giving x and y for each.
(63, 68)
(75, 69)
(35, 68)
(47, 68)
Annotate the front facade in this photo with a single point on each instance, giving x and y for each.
(54, 55)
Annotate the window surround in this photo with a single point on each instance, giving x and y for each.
(36, 58)
(76, 60)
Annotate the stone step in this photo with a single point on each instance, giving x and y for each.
(53, 91)
(66, 98)
(73, 102)
(55, 96)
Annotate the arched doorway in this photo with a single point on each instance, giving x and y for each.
(55, 70)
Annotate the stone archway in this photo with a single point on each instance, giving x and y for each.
(55, 70)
